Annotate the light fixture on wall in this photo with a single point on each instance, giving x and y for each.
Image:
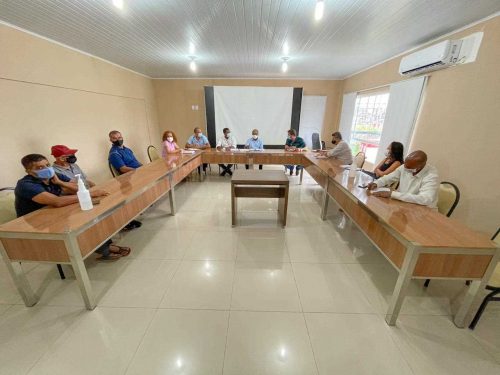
(319, 10)
(192, 64)
(284, 64)
(118, 4)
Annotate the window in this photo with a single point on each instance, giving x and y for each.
(368, 121)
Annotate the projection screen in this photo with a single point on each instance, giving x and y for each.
(268, 109)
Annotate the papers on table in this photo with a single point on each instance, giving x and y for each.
(321, 156)
(188, 151)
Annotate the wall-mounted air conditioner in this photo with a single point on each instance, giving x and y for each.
(438, 56)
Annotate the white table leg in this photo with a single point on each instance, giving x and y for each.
(81, 274)
(405, 275)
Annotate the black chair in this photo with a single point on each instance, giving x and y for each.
(323, 145)
(316, 143)
(449, 196)
(113, 170)
(493, 285)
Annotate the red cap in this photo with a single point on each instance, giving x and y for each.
(60, 150)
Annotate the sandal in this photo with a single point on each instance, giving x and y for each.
(110, 258)
(122, 250)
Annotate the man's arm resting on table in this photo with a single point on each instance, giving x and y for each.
(389, 179)
(426, 194)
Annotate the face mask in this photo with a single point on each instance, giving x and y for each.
(71, 159)
(45, 173)
(170, 139)
(387, 154)
(118, 142)
(198, 135)
(255, 136)
(227, 135)
(414, 170)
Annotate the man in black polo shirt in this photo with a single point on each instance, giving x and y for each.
(43, 187)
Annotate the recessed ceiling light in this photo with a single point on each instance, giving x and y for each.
(320, 9)
(286, 49)
(284, 65)
(118, 4)
(192, 65)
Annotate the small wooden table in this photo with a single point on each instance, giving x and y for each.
(260, 184)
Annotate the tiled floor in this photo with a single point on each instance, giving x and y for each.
(199, 297)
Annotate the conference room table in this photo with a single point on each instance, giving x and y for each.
(417, 241)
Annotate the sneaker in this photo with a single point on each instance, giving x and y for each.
(297, 172)
(110, 258)
(291, 172)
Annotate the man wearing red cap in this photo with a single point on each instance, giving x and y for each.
(65, 164)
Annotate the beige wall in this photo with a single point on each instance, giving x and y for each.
(176, 96)
(50, 95)
(459, 125)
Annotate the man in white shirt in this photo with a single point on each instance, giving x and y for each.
(341, 151)
(418, 182)
(226, 143)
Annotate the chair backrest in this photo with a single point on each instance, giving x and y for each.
(113, 170)
(7, 207)
(323, 145)
(495, 277)
(448, 198)
(316, 144)
(360, 159)
(153, 153)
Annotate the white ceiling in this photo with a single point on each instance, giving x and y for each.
(244, 38)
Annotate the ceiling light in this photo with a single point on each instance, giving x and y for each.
(286, 49)
(320, 9)
(284, 65)
(192, 48)
(192, 66)
(118, 4)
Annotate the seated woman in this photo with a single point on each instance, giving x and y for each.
(393, 159)
(169, 144)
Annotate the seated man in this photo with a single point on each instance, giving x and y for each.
(294, 143)
(418, 182)
(254, 143)
(123, 160)
(341, 151)
(226, 143)
(65, 164)
(42, 186)
(198, 141)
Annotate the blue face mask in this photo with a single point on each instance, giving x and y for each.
(45, 173)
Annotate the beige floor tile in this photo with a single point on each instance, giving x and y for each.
(103, 341)
(27, 333)
(262, 246)
(433, 345)
(143, 284)
(268, 343)
(182, 342)
(265, 287)
(209, 245)
(201, 285)
(354, 344)
(329, 288)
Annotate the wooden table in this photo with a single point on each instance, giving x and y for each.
(418, 241)
(249, 157)
(68, 235)
(260, 184)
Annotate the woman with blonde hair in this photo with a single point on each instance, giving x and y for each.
(170, 143)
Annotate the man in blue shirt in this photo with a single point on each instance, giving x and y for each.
(200, 142)
(294, 143)
(42, 187)
(120, 157)
(254, 143)
(123, 160)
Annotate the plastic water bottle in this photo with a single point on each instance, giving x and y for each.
(83, 195)
(353, 169)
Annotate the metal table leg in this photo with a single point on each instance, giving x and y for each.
(81, 274)
(405, 275)
(171, 196)
(326, 199)
(473, 293)
(301, 175)
(20, 280)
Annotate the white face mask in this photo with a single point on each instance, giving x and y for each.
(198, 135)
(170, 139)
(387, 154)
(255, 136)
(412, 171)
(228, 135)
